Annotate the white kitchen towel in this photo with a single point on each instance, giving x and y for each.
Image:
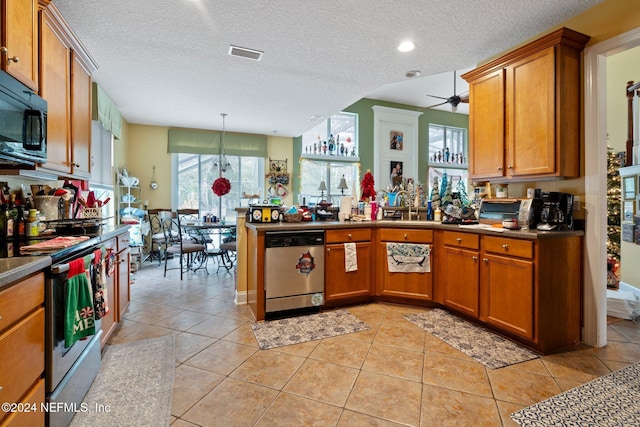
(350, 257)
(408, 258)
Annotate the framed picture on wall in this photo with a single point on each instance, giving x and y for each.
(628, 210)
(628, 232)
(395, 172)
(396, 140)
(630, 187)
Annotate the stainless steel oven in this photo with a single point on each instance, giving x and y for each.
(69, 371)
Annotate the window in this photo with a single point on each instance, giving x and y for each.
(448, 153)
(329, 152)
(196, 173)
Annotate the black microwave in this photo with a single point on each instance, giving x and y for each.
(23, 124)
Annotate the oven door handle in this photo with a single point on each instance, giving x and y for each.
(63, 268)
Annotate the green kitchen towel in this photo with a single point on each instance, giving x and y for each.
(79, 320)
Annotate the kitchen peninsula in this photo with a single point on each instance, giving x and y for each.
(521, 283)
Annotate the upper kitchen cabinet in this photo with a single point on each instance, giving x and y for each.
(524, 111)
(19, 40)
(65, 83)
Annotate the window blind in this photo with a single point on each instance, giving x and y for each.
(193, 141)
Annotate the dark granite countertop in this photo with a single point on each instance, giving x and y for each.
(433, 225)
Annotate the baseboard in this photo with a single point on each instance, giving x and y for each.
(241, 298)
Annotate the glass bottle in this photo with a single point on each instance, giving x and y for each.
(429, 211)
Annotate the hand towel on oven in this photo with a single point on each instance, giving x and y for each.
(350, 257)
(408, 258)
(99, 283)
(79, 321)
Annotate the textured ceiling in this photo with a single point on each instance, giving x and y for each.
(165, 62)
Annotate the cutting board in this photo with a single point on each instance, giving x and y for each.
(56, 243)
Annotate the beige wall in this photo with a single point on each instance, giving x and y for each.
(281, 148)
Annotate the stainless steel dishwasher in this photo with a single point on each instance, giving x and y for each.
(294, 270)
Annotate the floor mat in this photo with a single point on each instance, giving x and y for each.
(134, 386)
(486, 347)
(296, 330)
(611, 400)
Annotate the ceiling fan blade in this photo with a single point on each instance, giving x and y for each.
(465, 97)
(439, 97)
(435, 105)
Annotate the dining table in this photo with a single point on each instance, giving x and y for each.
(202, 232)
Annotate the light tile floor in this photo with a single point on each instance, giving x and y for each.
(393, 374)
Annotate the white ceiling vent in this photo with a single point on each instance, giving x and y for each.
(243, 52)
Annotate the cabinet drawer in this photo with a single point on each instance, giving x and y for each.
(29, 418)
(348, 235)
(461, 240)
(20, 299)
(123, 241)
(504, 246)
(22, 349)
(406, 235)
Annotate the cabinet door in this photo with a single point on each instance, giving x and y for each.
(54, 87)
(406, 285)
(19, 29)
(124, 273)
(80, 119)
(486, 126)
(340, 284)
(507, 294)
(531, 137)
(461, 276)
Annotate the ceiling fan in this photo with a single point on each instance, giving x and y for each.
(452, 100)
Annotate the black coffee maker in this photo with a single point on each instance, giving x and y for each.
(557, 212)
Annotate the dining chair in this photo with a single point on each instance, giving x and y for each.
(191, 254)
(158, 240)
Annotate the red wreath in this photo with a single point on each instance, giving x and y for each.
(221, 186)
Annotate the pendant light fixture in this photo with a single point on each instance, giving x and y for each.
(153, 184)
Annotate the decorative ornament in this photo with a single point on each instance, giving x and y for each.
(367, 187)
(221, 186)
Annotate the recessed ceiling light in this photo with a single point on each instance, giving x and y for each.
(406, 46)
(413, 73)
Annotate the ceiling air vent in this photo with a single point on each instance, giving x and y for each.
(243, 52)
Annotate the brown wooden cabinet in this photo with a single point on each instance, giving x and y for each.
(459, 271)
(507, 285)
(65, 83)
(19, 36)
(339, 283)
(22, 348)
(124, 273)
(416, 286)
(524, 111)
(109, 321)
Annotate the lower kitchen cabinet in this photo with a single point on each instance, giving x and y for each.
(22, 353)
(416, 286)
(506, 289)
(339, 283)
(459, 271)
(109, 320)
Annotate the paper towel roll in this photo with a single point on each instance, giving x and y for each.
(345, 205)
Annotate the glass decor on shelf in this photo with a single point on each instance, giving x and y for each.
(334, 138)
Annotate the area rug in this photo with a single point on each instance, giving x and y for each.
(482, 345)
(296, 330)
(134, 386)
(610, 400)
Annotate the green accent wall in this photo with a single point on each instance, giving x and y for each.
(365, 135)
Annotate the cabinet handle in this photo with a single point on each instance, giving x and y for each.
(405, 236)
(328, 250)
(505, 247)
(349, 236)
(5, 51)
(485, 260)
(475, 258)
(510, 166)
(499, 168)
(459, 240)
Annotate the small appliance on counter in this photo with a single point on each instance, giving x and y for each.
(557, 212)
(525, 212)
(264, 212)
